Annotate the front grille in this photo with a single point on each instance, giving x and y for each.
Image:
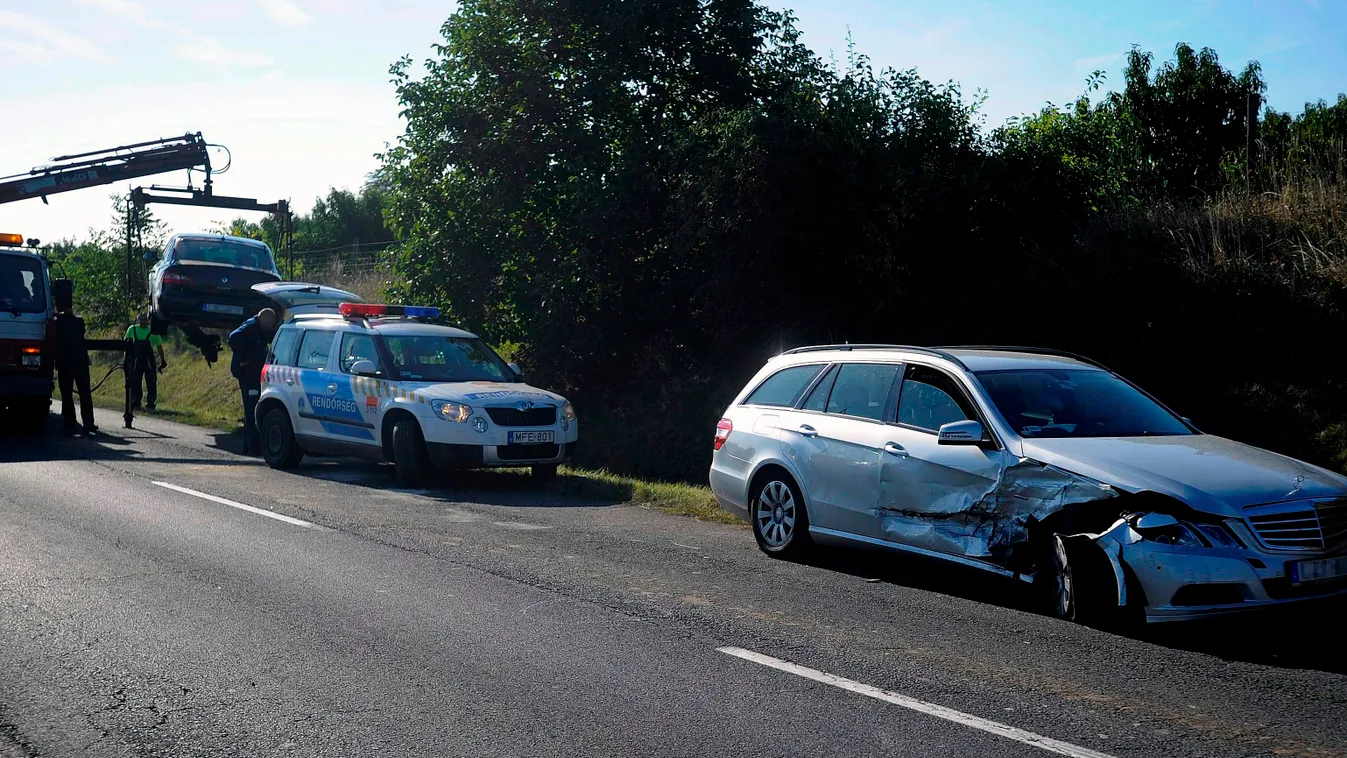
(543, 415)
(1317, 526)
(527, 452)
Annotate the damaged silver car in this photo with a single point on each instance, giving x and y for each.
(1032, 464)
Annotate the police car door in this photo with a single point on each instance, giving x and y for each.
(328, 395)
(312, 399)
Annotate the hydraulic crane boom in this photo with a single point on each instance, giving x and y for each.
(73, 172)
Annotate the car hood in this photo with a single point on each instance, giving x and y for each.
(483, 394)
(1211, 474)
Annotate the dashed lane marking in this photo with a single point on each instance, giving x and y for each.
(920, 706)
(233, 504)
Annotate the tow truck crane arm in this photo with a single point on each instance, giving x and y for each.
(83, 170)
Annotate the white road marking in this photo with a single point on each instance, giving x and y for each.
(920, 706)
(232, 504)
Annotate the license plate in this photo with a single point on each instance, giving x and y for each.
(532, 438)
(236, 310)
(1313, 571)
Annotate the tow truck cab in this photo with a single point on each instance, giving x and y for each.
(26, 312)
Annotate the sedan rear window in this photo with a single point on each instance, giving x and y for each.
(225, 252)
(784, 388)
(1076, 403)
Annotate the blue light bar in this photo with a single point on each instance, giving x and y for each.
(421, 311)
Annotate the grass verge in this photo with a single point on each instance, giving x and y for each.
(191, 392)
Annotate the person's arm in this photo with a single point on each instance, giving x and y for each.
(240, 336)
(163, 362)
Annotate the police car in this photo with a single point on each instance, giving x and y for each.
(376, 381)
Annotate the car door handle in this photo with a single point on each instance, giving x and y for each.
(289, 379)
(331, 388)
(806, 430)
(893, 448)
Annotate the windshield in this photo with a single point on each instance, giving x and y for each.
(1076, 403)
(445, 359)
(225, 252)
(22, 286)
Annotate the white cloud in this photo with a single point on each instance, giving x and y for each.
(1097, 62)
(57, 43)
(28, 52)
(132, 11)
(285, 12)
(208, 50)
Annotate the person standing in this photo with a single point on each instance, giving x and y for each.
(72, 360)
(144, 343)
(250, 344)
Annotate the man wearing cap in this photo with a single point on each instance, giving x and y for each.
(250, 343)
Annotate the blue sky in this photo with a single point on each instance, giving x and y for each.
(299, 91)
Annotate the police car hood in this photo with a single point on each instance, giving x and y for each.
(484, 394)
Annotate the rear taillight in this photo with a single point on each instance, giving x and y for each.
(171, 277)
(723, 430)
(32, 357)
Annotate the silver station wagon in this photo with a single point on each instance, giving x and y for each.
(1032, 464)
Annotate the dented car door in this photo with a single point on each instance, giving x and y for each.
(931, 496)
(836, 440)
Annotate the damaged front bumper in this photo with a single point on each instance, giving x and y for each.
(1183, 582)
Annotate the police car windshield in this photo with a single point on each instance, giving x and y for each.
(429, 358)
(21, 284)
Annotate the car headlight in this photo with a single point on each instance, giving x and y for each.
(1218, 535)
(1167, 530)
(568, 411)
(449, 411)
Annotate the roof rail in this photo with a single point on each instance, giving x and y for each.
(1032, 351)
(931, 351)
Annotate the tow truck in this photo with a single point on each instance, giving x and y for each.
(26, 328)
(26, 312)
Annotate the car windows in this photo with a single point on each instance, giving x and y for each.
(283, 348)
(224, 252)
(357, 347)
(314, 349)
(818, 399)
(784, 388)
(21, 284)
(929, 399)
(1076, 403)
(862, 389)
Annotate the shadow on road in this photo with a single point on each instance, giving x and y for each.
(1293, 637)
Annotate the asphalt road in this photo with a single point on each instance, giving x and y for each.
(491, 617)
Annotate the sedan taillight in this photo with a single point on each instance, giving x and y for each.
(171, 277)
(723, 430)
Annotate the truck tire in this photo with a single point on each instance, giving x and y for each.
(279, 446)
(410, 461)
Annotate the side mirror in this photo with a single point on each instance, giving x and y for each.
(364, 368)
(518, 372)
(963, 433)
(149, 256)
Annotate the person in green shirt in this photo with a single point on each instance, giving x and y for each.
(143, 345)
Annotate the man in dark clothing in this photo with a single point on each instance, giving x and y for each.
(72, 362)
(144, 342)
(249, 343)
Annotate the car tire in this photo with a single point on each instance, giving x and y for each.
(410, 461)
(547, 472)
(280, 449)
(1085, 589)
(779, 518)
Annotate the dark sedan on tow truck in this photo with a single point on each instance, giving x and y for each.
(206, 280)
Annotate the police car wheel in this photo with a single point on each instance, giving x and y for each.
(279, 446)
(409, 453)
